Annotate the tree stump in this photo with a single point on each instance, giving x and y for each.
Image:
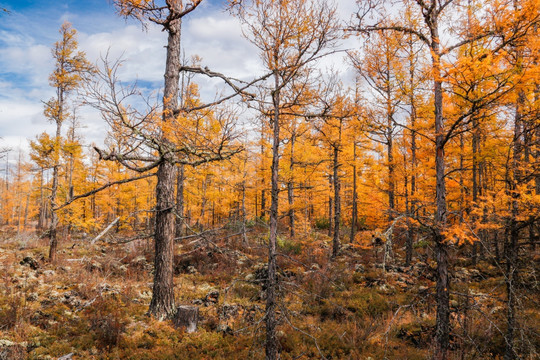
(186, 317)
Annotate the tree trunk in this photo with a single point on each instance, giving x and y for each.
(180, 178)
(408, 241)
(290, 189)
(512, 248)
(475, 181)
(53, 239)
(354, 214)
(330, 207)
(244, 216)
(337, 204)
(162, 303)
(41, 216)
(271, 340)
(441, 248)
(410, 235)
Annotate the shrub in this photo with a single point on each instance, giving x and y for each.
(322, 223)
(289, 246)
(107, 322)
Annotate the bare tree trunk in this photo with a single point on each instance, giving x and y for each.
(408, 241)
(512, 248)
(441, 248)
(244, 231)
(337, 204)
(271, 340)
(330, 207)
(290, 189)
(162, 304)
(412, 101)
(53, 239)
(263, 191)
(354, 214)
(26, 211)
(180, 178)
(410, 235)
(475, 181)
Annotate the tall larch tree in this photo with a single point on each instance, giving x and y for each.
(434, 15)
(290, 35)
(160, 137)
(70, 66)
(167, 14)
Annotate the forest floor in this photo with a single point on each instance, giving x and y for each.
(92, 303)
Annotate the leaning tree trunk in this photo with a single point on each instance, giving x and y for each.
(162, 304)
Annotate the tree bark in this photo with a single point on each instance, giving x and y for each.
(330, 206)
(512, 247)
(162, 304)
(290, 189)
(337, 203)
(180, 179)
(410, 235)
(53, 239)
(354, 215)
(186, 317)
(271, 340)
(441, 248)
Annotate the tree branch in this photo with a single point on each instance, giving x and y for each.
(92, 192)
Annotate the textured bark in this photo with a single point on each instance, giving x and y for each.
(263, 191)
(390, 151)
(244, 216)
(290, 189)
(475, 181)
(512, 246)
(271, 340)
(42, 211)
(354, 215)
(180, 179)
(53, 229)
(162, 304)
(337, 203)
(412, 210)
(186, 317)
(330, 207)
(442, 328)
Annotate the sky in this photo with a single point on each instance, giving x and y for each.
(29, 30)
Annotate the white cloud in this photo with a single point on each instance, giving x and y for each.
(26, 62)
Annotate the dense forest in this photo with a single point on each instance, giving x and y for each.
(384, 207)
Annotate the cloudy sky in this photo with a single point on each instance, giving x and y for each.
(30, 29)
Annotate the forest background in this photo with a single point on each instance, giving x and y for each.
(389, 150)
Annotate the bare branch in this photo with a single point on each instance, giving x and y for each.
(103, 187)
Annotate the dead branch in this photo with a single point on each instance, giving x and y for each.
(95, 191)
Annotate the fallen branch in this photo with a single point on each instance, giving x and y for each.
(105, 231)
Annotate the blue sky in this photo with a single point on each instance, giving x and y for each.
(28, 32)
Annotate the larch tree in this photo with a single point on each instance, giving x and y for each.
(331, 128)
(41, 150)
(157, 138)
(70, 66)
(379, 67)
(433, 15)
(289, 35)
